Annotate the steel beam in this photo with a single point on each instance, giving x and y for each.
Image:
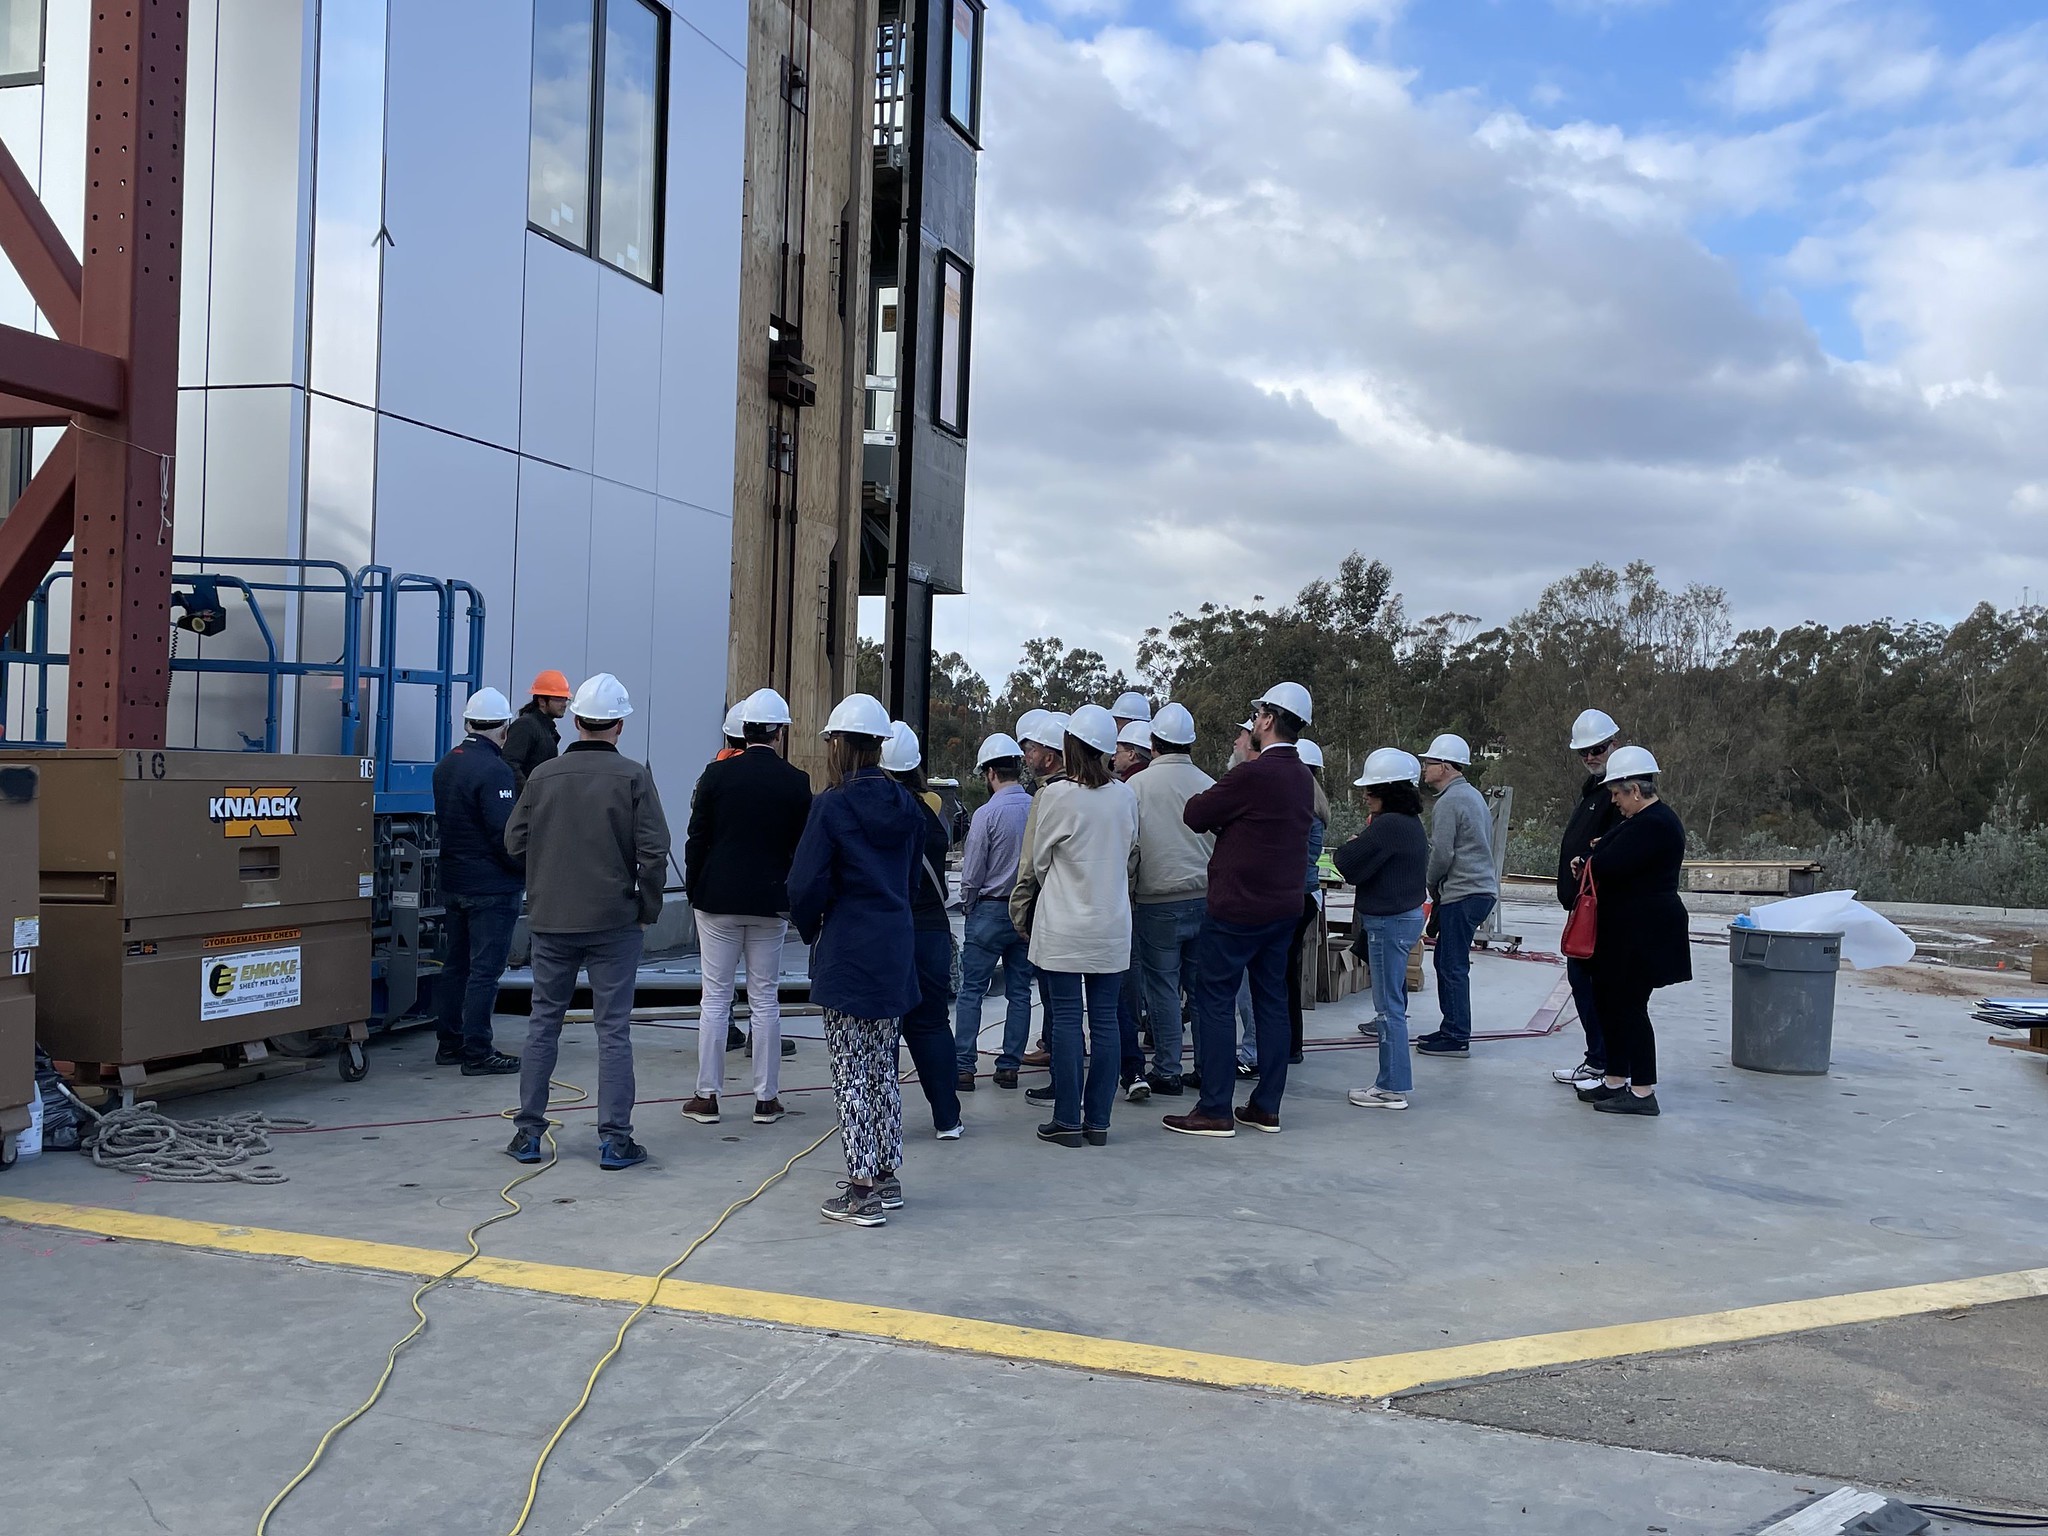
(128, 302)
(34, 534)
(39, 252)
(58, 373)
(18, 411)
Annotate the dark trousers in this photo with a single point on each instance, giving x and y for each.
(928, 1028)
(1130, 994)
(1456, 922)
(1309, 912)
(1580, 974)
(1224, 956)
(1624, 1007)
(478, 930)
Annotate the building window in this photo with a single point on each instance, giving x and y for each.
(594, 179)
(956, 324)
(963, 67)
(21, 42)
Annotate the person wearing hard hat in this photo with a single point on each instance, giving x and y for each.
(1642, 940)
(1594, 738)
(1133, 755)
(534, 737)
(1311, 900)
(746, 816)
(1260, 814)
(1131, 708)
(1463, 886)
(733, 733)
(988, 872)
(474, 793)
(1172, 890)
(1246, 745)
(1045, 762)
(928, 1026)
(596, 844)
(1083, 846)
(849, 896)
(1133, 750)
(1388, 866)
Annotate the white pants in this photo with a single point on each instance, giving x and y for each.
(721, 941)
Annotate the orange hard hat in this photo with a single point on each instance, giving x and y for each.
(551, 685)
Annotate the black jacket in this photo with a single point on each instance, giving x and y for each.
(473, 799)
(1389, 864)
(534, 739)
(1642, 934)
(746, 818)
(928, 901)
(1593, 817)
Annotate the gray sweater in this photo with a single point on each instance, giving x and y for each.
(591, 830)
(1461, 845)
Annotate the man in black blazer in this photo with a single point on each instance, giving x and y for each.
(745, 820)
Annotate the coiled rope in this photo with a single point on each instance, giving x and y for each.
(219, 1150)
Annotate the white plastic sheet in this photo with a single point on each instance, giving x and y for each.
(1869, 939)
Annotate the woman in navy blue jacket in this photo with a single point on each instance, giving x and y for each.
(849, 897)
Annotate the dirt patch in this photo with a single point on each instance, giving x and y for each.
(1948, 981)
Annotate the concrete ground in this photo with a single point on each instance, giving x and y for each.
(1498, 1207)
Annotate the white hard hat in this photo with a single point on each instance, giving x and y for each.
(602, 697)
(1030, 719)
(764, 706)
(1449, 749)
(1246, 724)
(1593, 727)
(1048, 730)
(1174, 725)
(1309, 752)
(1093, 724)
(1629, 763)
(858, 714)
(735, 722)
(1291, 697)
(1131, 706)
(995, 749)
(1389, 765)
(487, 704)
(901, 753)
(1137, 734)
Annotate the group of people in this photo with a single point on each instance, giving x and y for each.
(1105, 871)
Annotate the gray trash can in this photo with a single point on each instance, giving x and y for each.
(1784, 1011)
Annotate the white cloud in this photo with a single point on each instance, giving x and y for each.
(1867, 54)
(1241, 310)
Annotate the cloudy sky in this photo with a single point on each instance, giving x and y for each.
(1492, 288)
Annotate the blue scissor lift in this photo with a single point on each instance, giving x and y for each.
(364, 605)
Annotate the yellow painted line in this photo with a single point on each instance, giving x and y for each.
(1370, 1378)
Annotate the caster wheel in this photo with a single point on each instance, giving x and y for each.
(355, 1066)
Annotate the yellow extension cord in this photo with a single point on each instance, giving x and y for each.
(513, 1208)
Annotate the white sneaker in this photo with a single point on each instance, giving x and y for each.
(953, 1134)
(1138, 1091)
(1378, 1098)
(1576, 1077)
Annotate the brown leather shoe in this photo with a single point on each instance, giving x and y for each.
(1258, 1119)
(768, 1111)
(964, 1082)
(703, 1109)
(1036, 1058)
(1199, 1125)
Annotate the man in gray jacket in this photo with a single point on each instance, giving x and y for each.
(1463, 886)
(591, 830)
(1173, 887)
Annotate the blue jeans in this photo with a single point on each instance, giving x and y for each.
(1227, 954)
(927, 1034)
(1129, 991)
(1388, 943)
(612, 960)
(991, 938)
(1165, 933)
(1580, 974)
(1456, 922)
(1073, 1103)
(479, 934)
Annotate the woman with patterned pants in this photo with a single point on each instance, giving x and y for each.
(849, 894)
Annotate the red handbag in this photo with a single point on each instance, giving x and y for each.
(1582, 923)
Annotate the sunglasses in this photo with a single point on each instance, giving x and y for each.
(1602, 750)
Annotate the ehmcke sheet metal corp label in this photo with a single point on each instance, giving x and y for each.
(261, 981)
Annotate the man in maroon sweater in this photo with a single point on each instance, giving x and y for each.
(1260, 814)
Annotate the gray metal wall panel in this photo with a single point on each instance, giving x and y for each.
(628, 417)
(457, 99)
(701, 314)
(61, 176)
(195, 236)
(558, 372)
(261, 256)
(622, 599)
(341, 490)
(21, 130)
(348, 205)
(551, 625)
(692, 572)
